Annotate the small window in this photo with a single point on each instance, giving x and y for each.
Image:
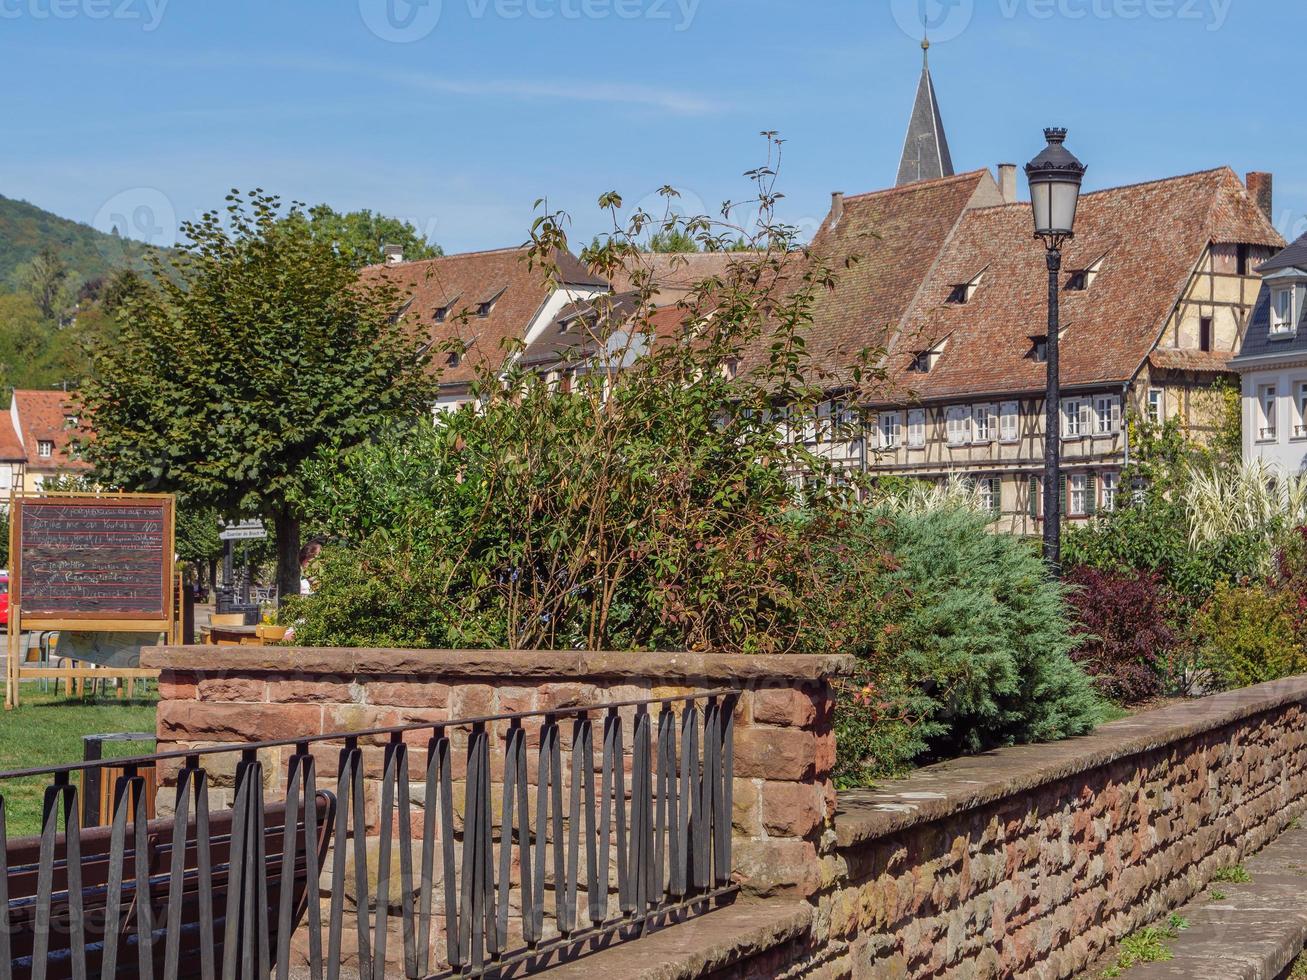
(1204, 333)
(1300, 410)
(917, 427)
(1107, 415)
(1079, 281)
(44, 448)
(454, 359)
(1039, 351)
(890, 427)
(1110, 483)
(1009, 419)
(1266, 413)
(983, 423)
(961, 293)
(991, 494)
(958, 425)
(1283, 315)
(1241, 261)
(441, 314)
(1075, 418)
(920, 362)
(1078, 485)
(1156, 405)
(483, 309)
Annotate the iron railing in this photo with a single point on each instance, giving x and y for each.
(366, 880)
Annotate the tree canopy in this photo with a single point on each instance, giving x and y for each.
(359, 236)
(256, 351)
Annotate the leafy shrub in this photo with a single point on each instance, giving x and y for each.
(1246, 634)
(977, 654)
(1123, 629)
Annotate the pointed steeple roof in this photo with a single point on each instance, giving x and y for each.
(925, 149)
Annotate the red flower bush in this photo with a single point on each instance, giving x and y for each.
(1124, 622)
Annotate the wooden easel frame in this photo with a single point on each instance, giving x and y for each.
(169, 623)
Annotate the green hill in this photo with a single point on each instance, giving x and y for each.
(25, 229)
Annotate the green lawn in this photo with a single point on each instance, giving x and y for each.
(47, 731)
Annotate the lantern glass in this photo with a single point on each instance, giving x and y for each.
(1055, 176)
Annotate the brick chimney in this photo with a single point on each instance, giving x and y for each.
(836, 207)
(1260, 186)
(394, 254)
(1007, 182)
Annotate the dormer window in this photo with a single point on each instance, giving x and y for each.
(1081, 279)
(961, 293)
(1284, 311)
(44, 448)
(441, 314)
(924, 361)
(454, 359)
(1039, 350)
(487, 304)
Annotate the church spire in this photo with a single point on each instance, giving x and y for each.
(925, 149)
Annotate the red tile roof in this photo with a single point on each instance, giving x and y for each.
(893, 238)
(43, 416)
(1180, 359)
(1149, 237)
(11, 449)
(461, 283)
(671, 276)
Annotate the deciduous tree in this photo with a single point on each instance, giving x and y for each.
(257, 351)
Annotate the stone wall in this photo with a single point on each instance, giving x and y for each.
(1026, 861)
(1032, 860)
(784, 739)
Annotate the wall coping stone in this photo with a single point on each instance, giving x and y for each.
(941, 790)
(731, 670)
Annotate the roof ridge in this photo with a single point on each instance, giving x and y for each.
(1165, 180)
(917, 185)
(441, 258)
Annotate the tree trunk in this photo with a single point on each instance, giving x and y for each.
(288, 555)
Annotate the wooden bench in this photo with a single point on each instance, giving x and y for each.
(23, 857)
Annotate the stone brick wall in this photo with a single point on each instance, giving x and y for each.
(1030, 861)
(784, 740)
(1024, 862)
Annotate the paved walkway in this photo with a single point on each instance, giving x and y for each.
(1253, 931)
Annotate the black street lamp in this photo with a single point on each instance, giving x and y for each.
(1055, 176)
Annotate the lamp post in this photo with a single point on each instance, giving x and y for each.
(1055, 176)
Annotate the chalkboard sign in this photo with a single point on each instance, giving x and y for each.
(83, 559)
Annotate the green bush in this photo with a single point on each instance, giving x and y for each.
(976, 655)
(1245, 635)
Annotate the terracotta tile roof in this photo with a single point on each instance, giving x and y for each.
(673, 275)
(1179, 359)
(459, 284)
(43, 417)
(11, 450)
(896, 236)
(1149, 237)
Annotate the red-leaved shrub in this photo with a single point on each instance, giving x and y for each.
(1124, 620)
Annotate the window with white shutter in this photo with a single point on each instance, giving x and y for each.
(889, 430)
(1107, 415)
(958, 425)
(1009, 415)
(917, 427)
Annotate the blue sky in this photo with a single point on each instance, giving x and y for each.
(458, 114)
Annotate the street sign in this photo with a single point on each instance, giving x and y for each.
(244, 531)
